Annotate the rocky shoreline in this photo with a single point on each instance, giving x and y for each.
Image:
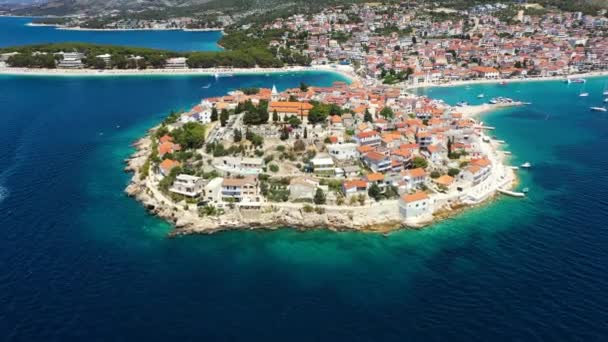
(380, 218)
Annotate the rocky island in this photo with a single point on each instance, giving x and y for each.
(366, 157)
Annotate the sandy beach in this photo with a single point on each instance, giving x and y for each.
(220, 72)
(508, 80)
(77, 28)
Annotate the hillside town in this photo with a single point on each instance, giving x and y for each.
(325, 152)
(397, 43)
(407, 44)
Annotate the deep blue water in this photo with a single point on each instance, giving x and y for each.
(81, 261)
(14, 31)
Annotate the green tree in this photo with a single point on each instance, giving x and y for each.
(190, 135)
(367, 117)
(387, 113)
(452, 172)
(420, 162)
(284, 133)
(305, 132)
(224, 117)
(238, 136)
(303, 86)
(319, 197)
(214, 114)
(294, 121)
(435, 174)
(375, 192)
(275, 116)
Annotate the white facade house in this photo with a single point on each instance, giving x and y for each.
(415, 206)
(187, 185)
(106, 58)
(343, 151)
(323, 165)
(176, 63)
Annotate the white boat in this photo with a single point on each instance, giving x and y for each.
(511, 193)
(206, 86)
(216, 75)
(462, 104)
(481, 96)
(598, 109)
(606, 100)
(525, 190)
(526, 165)
(575, 80)
(583, 94)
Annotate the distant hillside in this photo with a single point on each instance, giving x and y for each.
(272, 7)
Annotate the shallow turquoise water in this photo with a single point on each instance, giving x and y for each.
(13, 31)
(80, 260)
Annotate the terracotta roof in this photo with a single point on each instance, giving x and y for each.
(355, 183)
(418, 196)
(417, 172)
(168, 164)
(374, 177)
(238, 181)
(444, 180)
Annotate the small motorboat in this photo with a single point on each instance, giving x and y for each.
(462, 104)
(583, 94)
(576, 80)
(599, 109)
(606, 100)
(526, 165)
(481, 96)
(503, 83)
(525, 190)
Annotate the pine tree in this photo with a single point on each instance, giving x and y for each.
(275, 116)
(238, 136)
(213, 114)
(367, 117)
(224, 117)
(319, 197)
(305, 133)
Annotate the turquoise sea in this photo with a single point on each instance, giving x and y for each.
(14, 31)
(81, 261)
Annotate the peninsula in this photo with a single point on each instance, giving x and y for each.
(364, 156)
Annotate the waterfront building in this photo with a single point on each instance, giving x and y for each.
(176, 63)
(187, 185)
(240, 189)
(416, 205)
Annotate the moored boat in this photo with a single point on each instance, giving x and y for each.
(526, 165)
(583, 94)
(598, 109)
